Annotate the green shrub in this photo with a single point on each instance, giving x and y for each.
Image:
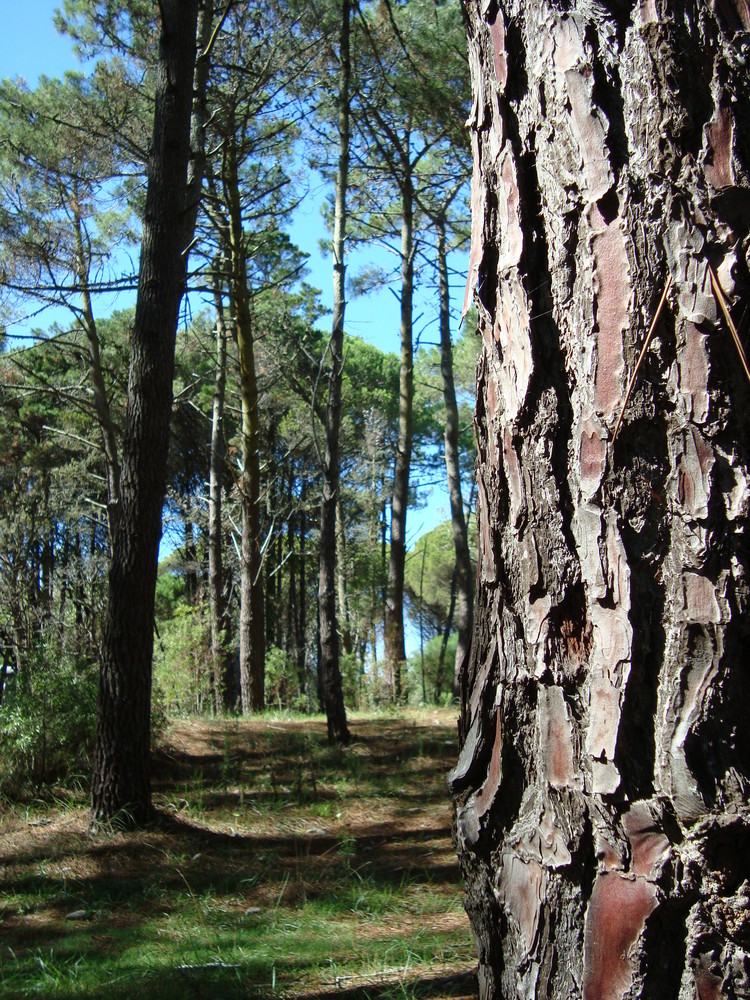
(352, 680)
(281, 681)
(47, 722)
(427, 682)
(182, 660)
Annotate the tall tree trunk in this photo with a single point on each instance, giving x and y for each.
(221, 661)
(121, 784)
(291, 604)
(463, 593)
(346, 632)
(395, 650)
(301, 623)
(101, 399)
(601, 788)
(252, 612)
(330, 673)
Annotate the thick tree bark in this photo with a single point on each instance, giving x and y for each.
(330, 673)
(121, 783)
(395, 649)
(601, 787)
(462, 591)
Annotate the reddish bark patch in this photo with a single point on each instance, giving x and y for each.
(497, 33)
(612, 301)
(743, 12)
(521, 888)
(693, 362)
(486, 794)
(592, 455)
(513, 475)
(568, 45)
(693, 474)
(648, 11)
(477, 229)
(512, 333)
(556, 735)
(537, 618)
(720, 133)
(648, 843)
(615, 920)
(707, 985)
(704, 453)
(589, 133)
(618, 579)
(604, 718)
(685, 486)
(486, 546)
(701, 605)
(510, 236)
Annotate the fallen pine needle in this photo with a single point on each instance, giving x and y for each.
(719, 296)
(646, 342)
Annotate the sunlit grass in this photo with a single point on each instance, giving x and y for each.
(279, 865)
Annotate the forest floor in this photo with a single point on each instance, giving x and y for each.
(277, 866)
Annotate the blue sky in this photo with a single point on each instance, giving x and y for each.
(30, 46)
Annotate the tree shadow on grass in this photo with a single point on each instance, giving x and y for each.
(377, 865)
(234, 982)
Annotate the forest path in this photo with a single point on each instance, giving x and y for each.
(276, 865)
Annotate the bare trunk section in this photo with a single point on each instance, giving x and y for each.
(395, 650)
(330, 673)
(300, 619)
(121, 782)
(252, 617)
(346, 631)
(601, 787)
(221, 660)
(101, 399)
(462, 590)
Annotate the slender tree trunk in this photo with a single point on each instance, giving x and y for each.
(330, 673)
(101, 399)
(190, 561)
(3, 672)
(291, 604)
(601, 789)
(395, 650)
(221, 662)
(446, 636)
(301, 633)
(252, 612)
(464, 586)
(121, 784)
(344, 609)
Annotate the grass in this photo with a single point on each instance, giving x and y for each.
(277, 866)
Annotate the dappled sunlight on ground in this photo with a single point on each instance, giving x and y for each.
(320, 867)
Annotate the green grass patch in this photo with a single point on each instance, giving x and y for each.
(278, 865)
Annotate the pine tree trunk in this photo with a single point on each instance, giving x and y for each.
(101, 398)
(301, 619)
(330, 672)
(252, 611)
(221, 662)
(601, 787)
(395, 648)
(462, 595)
(121, 783)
